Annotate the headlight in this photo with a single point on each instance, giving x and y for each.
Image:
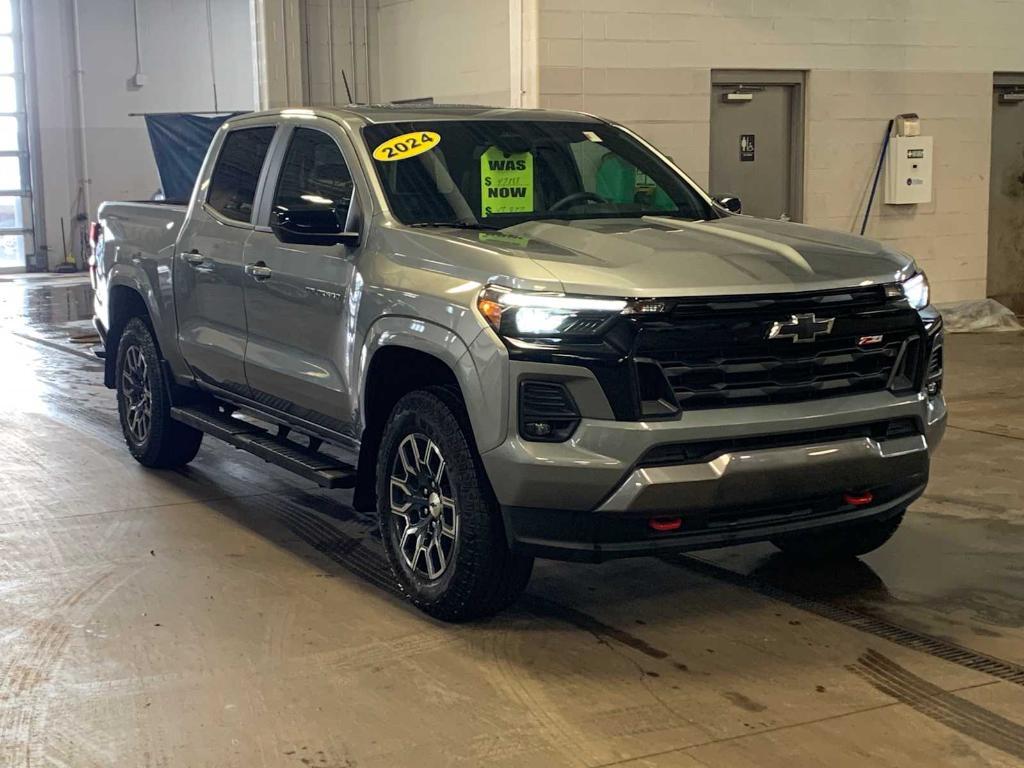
(514, 313)
(916, 290)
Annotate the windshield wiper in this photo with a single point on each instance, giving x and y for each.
(454, 225)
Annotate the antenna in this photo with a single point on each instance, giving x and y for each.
(347, 91)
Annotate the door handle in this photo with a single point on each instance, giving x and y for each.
(259, 271)
(195, 258)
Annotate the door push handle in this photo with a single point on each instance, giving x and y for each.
(195, 258)
(258, 271)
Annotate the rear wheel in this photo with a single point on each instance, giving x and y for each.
(440, 523)
(153, 437)
(842, 542)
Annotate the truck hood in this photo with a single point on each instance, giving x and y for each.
(658, 256)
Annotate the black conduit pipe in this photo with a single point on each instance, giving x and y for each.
(878, 173)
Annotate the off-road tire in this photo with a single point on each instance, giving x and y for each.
(842, 542)
(484, 575)
(166, 443)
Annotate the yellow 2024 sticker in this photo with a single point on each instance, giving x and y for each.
(405, 146)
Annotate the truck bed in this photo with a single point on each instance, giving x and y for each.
(142, 230)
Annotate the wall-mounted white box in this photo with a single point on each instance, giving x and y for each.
(908, 170)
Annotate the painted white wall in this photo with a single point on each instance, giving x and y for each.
(176, 62)
(648, 64)
(278, 32)
(452, 50)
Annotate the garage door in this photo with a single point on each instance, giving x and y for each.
(15, 195)
(1006, 195)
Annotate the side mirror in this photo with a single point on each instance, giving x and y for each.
(731, 203)
(312, 226)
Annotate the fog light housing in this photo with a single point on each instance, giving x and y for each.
(547, 412)
(538, 429)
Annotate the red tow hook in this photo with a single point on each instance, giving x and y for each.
(859, 499)
(665, 524)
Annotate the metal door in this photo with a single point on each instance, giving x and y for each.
(208, 269)
(752, 147)
(1006, 197)
(298, 297)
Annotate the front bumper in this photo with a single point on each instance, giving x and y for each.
(588, 498)
(595, 537)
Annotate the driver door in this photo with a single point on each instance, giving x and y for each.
(297, 296)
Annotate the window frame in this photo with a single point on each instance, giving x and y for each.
(274, 169)
(261, 177)
(274, 190)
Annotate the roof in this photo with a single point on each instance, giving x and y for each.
(401, 113)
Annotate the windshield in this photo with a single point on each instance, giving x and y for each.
(498, 173)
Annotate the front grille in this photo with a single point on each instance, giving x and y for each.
(935, 366)
(717, 353)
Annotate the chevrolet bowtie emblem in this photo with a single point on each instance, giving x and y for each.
(801, 328)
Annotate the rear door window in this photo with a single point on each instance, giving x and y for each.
(237, 173)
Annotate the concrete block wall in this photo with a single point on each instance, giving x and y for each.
(668, 106)
(846, 118)
(648, 63)
(451, 50)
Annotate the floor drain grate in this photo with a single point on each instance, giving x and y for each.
(933, 646)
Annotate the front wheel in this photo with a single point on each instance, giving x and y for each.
(440, 523)
(153, 437)
(842, 542)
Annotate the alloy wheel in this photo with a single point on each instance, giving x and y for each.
(424, 514)
(138, 395)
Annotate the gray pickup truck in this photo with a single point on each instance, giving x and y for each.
(519, 333)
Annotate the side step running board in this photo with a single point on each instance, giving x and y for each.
(313, 465)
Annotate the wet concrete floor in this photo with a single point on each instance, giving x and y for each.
(232, 615)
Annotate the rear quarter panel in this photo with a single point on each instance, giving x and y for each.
(137, 253)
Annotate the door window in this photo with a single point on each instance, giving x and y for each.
(237, 173)
(315, 187)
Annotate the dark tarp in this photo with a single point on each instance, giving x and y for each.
(179, 144)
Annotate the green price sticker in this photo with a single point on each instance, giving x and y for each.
(506, 182)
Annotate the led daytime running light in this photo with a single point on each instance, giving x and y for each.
(552, 301)
(539, 314)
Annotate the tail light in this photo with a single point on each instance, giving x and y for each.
(95, 230)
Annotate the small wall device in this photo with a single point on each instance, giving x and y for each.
(908, 163)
